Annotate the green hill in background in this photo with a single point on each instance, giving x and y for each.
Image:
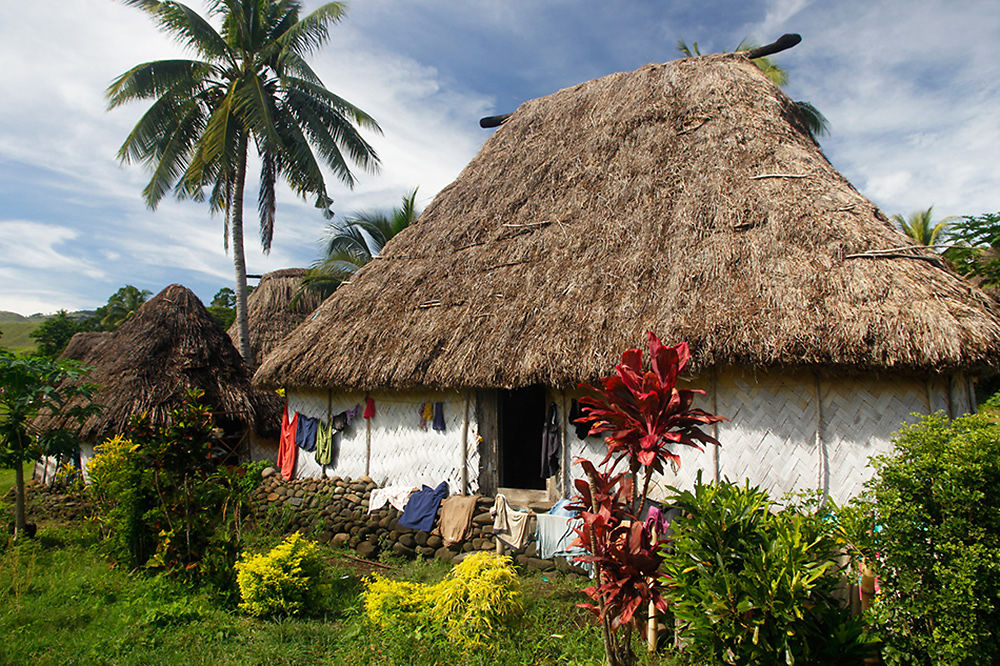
(17, 328)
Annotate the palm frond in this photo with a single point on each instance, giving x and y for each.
(771, 69)
(190, 29)
(170, 154)
(815, 122)
(336, 102)
(312, 31)
(689, 51)
(920, 226)
(344, 240)
(153, 79)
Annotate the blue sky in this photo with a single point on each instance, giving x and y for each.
(911, 90)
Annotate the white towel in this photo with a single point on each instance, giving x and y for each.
(394, 495)
(510, 527)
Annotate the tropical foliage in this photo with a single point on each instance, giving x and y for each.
(355, 242)
(920, 226)
(120, 306)
(53, 334)
(934, 541)
(749, 582)
(814, 121)
(288, 580)
(249, 84)
(975, 249)
(644, 415)
(32, 387)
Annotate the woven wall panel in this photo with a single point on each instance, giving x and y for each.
(401, 452)
(860, 417)
(770, 437)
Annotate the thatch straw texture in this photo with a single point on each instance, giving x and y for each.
(171, 344)
(82, 346)
(684, 198)
(269, 309)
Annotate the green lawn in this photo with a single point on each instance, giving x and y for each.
(60, 603)
(7, 477)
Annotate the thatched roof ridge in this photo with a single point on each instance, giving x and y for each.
(684, 198)
(169, 345)
(269, 309)
(85, 344)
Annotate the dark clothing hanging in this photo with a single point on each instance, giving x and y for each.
(551, 443)
(305, 435)
(340, 421)
(422, 507)
(439, 416)
(576, 412)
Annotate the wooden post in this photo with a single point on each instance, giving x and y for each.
(465, 445)
(651, 631)
(368, 444)
(715, 426)
(821, 453)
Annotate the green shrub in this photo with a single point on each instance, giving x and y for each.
(936, 499)
(477, 597)
(750, 584)
(288, 580)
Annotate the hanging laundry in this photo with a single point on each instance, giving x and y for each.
(327, 444)
(559, 508)
(510, 527)
(305, 435)
(575, 413)
(420, 415)
(340, 421)
(657, 521)
(551, 443)
(286, 444)
(394, 495)
(455, 520)
(369, 408)
(352, 413)
(439, 416)
(554, 534)
(422, 507)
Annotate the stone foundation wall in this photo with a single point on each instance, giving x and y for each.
(335, 511)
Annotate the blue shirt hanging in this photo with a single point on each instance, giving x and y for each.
(423, 506)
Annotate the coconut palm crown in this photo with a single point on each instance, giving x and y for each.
(920, 226)
(249, 83)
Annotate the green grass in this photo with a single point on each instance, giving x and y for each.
(16, 335)
(8, 476)
(60, 603)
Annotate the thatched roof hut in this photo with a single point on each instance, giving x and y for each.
(170, 345)
(271, 310)
(85, 344)
(687, 199)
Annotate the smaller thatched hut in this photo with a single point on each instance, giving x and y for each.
(274, 311)
(169, 346)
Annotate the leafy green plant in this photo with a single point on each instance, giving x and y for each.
(478, 597)
(936, 550)
(288, 580)
(751, 584)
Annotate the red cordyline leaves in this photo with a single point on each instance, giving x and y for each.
(644, 412)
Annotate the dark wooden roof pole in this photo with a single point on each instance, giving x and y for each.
(494, 121)
(783, 43)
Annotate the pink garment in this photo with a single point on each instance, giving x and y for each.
(286, 444)
(369, 409)
(656, 520)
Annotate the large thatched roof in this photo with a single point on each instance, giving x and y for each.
(684, 198)
(82, 346)
(271, 313)
(171, 344)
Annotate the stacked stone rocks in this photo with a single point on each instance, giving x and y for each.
(335, 511)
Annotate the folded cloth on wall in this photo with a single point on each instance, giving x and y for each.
(439, 416)
(510, 527)
(305, 435)
(286, 444)
(455, 520)
(393, 495)
(422, 507)
(327, 444)
(554, 534)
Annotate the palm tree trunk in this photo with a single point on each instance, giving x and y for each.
(239, 260)
(19, 522)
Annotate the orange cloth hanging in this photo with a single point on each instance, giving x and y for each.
(286, 444)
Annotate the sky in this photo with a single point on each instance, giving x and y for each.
(911, 91)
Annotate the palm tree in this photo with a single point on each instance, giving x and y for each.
(815, 122)
(920, 227)
(122, 305)
(250, 83)
(355, 242)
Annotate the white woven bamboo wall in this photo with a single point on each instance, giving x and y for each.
(401, 452)
(771, 438)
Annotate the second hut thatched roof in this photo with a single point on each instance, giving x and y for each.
(684, 198)
(271, 313)
(171, 344)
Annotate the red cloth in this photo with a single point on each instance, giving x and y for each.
(286, 444)
(369, 409)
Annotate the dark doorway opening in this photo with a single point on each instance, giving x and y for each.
(521, 417)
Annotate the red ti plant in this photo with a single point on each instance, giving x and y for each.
(644, 414)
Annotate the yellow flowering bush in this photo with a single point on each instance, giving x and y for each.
(476, 598)
(288, 580)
